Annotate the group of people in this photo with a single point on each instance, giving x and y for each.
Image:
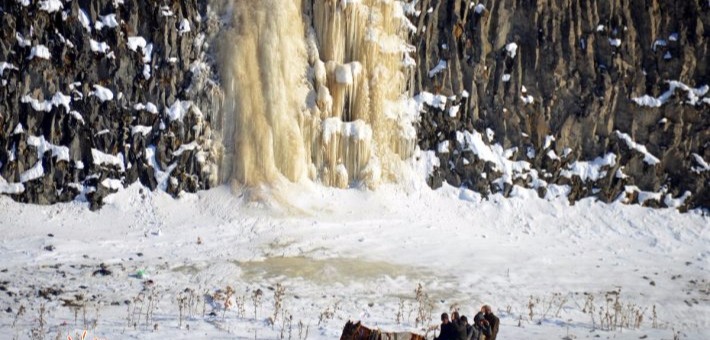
(484, 327)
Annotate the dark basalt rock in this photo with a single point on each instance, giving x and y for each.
(567, 58)
(106, 126)
(582, 85)
(102, 271)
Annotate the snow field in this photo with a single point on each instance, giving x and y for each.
(352, 254)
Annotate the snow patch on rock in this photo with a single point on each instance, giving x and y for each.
(99, 46)
(136, 42)
(433, 100)
(10, 188)
(161, 177)
(37, 171)
(184, 26)
(61, 153)
(101, 158)
(139, 42)
(185, 147)
(179, 109)
(693, 94)
(113, 184)
(109, 21)
(440, 67)
(671, 202)
(18, 129)
(593, 170)
(443, 147)
(142, 129)
(102, 93)
(59, 99)
(495, 154)
(512, 50)
(51, 6)
(22, 41)
(702, 164)
(648, 157)
(150, 107)
(6, 66)
(40, 51)
(84, 20)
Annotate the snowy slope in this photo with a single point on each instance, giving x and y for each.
(350, 254)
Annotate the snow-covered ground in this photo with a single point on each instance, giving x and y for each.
(349, 254)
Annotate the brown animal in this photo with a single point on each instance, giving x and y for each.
(356, 331)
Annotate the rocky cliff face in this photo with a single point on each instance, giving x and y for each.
(569, 97)
(559, 82)
(98, 94)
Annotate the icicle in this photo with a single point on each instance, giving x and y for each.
(317, 102)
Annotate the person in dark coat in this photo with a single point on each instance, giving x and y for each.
(459, 325)
(493, 321)
(481, 328)
(469, 328)
(448, 331)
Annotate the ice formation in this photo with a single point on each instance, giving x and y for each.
(315, 92)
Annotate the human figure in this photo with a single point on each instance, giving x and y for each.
(448, 332)
(469, 328)
(481, 328)
(493, 321)
(459, 325)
